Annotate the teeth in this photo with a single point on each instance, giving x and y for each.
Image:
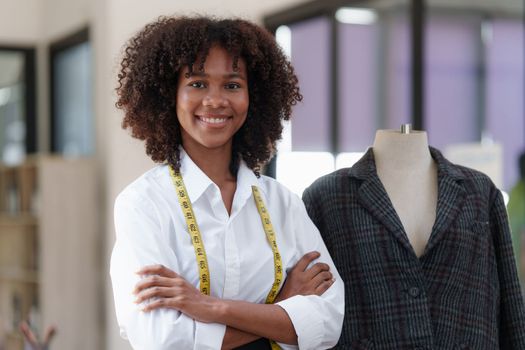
(213, 120)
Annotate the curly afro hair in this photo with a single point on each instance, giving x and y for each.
(149, 72)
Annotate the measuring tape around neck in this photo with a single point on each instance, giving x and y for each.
(270, 236)
(198, 246)
(193, 230)
(277, 262)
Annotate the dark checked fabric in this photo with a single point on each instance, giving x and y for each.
(462, 293)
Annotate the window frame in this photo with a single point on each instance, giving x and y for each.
(55, 49)
(30, 97)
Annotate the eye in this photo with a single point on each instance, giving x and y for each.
(233, 86)
(197, 84)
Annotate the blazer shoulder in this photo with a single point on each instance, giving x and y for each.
(329, 182)
(478, 182)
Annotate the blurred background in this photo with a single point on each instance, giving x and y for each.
(452, 68)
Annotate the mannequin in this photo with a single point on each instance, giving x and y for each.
(425, 247)
(409, 175)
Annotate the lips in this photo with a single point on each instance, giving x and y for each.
(213, 119)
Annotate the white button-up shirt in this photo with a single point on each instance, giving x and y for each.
(150, 229)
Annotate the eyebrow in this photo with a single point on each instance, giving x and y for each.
(227, 76)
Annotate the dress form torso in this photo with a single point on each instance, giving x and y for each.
(409, 175)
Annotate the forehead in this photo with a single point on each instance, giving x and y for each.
(218, 59)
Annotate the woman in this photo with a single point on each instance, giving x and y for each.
(210, 238)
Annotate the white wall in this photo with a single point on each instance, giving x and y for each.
(26, 22)
(20, 22)
(62, 17)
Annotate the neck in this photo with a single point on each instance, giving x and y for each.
(215, 163)
(395, 150)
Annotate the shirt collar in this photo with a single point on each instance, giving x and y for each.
(197, 182)
(245, 180)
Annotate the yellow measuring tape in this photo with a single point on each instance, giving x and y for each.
(193, 229)
(198, 246)
(277, 262)
(270, 236)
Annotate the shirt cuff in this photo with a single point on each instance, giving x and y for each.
(209, 336)
(308, 325)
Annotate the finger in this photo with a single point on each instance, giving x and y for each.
(323, 287)
(28, 333)
(320, 278)
(306, 260)
(159, 269)
(160, 292)
(50, 333)
(156, 304)
(152, 281)
(316, 269)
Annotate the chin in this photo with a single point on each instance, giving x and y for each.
(211, 145)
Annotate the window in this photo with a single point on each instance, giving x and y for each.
(72, 124)
(17, 104)
(455, 71)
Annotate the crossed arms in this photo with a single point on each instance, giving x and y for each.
(245, 321)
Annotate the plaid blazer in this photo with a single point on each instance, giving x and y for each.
(462, 293)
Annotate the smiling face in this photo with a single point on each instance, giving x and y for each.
(212, 104)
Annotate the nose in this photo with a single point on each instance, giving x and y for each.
(215, 99)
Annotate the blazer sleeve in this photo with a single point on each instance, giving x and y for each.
(310, 198)
(512, 309)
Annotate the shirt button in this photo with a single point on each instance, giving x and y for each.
(414, 292)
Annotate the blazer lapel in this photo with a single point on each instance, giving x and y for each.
(372, 196)
(451, 197)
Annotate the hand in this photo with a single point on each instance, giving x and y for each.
(32, 342)
(172, 291)
(301, 281)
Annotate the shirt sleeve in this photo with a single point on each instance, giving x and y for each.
(317, 320)
(140, 242)
(512, 309)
